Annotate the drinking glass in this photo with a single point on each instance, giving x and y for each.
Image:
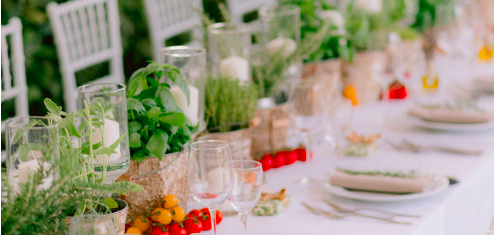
(92, 225)
(229, 50)
(209, 182)
(108, 105)
(247, 185)
(32, 145)
(191, 61)
(308, 110)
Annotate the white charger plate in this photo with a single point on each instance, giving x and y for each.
(440, 184)
(444, 126)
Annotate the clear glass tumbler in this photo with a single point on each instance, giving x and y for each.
(191, 61)
(107, 103)
(32, 145)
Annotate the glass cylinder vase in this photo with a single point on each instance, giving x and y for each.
(191, 61)
(107, 105)
(32, 145)
(229, 48)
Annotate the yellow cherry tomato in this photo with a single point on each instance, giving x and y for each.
(142, 223)
(155, 213)
(178, 214)
(165, 217)
(169, 201)
(134, 230)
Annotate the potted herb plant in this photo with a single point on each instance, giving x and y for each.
(158, 132)
(75, 187)
(230, 107)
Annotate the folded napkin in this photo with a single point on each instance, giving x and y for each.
(449, 114)
(381, 183)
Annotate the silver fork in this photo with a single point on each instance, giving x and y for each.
(341, 209)
(416, 148)
(330, 215)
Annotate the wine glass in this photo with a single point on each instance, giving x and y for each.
(309, 108)
(247, 184)
(92, 225)
(209, 182)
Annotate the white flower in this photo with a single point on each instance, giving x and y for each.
(334, 17)
(288, 46)
(370, 6)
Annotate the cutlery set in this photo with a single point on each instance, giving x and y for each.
(342, 212)
(406, 145)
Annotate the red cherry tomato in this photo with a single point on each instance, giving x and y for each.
(193, 225)
(160, 230)
(279, 160)
(177, 229)
(267, 162)
(219, 217)
(206, 222)
(290, 157)
(204, 211)
(302, 154)
(193, 213)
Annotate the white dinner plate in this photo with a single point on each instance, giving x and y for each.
(440, 184)
(444, 126)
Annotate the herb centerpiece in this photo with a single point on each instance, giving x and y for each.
(158, 133)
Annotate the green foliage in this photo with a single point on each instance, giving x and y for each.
(229, 105)
(269, 72)
(156, 125)
(332, 46)
(426, 14)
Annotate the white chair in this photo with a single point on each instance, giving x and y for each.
(169, 18)
(13, 66)
(238, 8)
(87, 32)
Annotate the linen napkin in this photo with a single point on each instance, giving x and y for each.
(381, 182)
(450, 113)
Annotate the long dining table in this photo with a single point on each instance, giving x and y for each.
(463, 208)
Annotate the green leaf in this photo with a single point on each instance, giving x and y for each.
(117, 142)
(135, 140)
(18, 135)
(174, 119)
(70, 122)
(111, 203)
(134, 126)
(127, 186)
(166, 98)
(139, 156)
(137, 83)
(157, 144)
(149, 103)
(52, 107)
(175, 76)
(104, 150)
(133, 104)
(154, 113)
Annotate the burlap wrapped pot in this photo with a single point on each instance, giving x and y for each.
(364, 73)
(269, 129)
(327, 72)
(239, 142)
(159, 178)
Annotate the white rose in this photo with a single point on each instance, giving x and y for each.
(370, 6)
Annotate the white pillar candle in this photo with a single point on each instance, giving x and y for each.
(190, 110)
(111, 133)
(288, 46)
(236, 67)
(28, 168)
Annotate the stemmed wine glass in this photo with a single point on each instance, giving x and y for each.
(247, 184)
(209, 182)
(309, 108)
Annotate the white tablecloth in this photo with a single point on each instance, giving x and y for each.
(464, 208)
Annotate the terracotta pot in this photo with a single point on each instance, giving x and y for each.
(363, 74)
(239, 142)
(118, 216)
(159, 178)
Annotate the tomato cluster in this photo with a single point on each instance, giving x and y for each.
(170, 219)
(282, 158)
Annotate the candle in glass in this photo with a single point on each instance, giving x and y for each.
(229, 47)
(108, 127)
(32, 144)
(191, 61)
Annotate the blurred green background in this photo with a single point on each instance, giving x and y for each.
(42, 68)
